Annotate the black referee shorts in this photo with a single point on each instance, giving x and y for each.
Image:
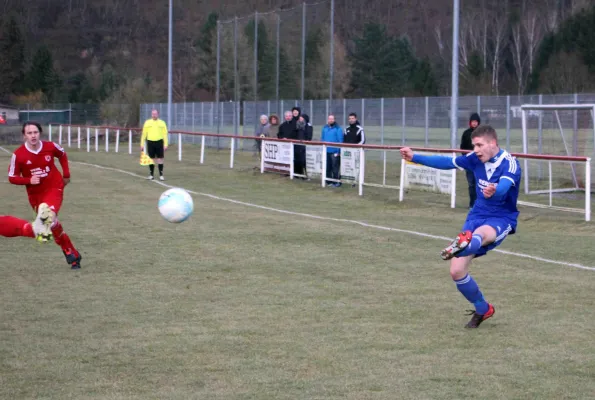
(155, 148)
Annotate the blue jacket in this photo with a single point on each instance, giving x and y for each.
(332, 134)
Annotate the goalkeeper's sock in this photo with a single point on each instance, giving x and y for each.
(472, 247)
(152, 169)
(160, 166)
(468, 288)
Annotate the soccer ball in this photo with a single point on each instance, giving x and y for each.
(176, 205)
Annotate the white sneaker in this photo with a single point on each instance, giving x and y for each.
(161, 178)
(42, 226)
(150, 177)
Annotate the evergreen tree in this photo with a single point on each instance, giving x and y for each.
(12, 58)
(424, 79)
(382, 64)
(206, 49)
(42, 75)
(266, 54)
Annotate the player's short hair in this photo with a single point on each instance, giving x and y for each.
(37, 124)
(485, 131)
(353, 115)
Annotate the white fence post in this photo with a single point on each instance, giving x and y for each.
(402, 179)
(291, 155)
(202, 149)
(88, 139)
(180, 143)
(117, 140)
(60, 136)
(78, 137)
(362, 172)
(130, 141)
(453, 187)
(323, 174)
(96, 139)
(263, 147)
(231, 157)
(69, 135)
(588, 190)
(50, 133)
(106, 140)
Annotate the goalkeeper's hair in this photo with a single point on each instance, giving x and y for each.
(485, 131)
(37, 124)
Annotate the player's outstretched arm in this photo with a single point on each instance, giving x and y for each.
(438, 162)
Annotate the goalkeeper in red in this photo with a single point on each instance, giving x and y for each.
(32, 165)
(493, 216)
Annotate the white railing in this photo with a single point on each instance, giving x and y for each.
(283, 160)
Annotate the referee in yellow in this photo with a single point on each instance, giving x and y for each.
(155, 133)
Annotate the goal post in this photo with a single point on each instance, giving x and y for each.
(558, 130)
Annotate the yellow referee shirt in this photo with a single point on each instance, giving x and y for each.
(154, 130)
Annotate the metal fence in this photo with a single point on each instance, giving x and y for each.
(293, 56)
(423, 121)
(78, 114)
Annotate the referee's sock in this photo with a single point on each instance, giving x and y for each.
(468, 288)
(152, 169)
(160, 166)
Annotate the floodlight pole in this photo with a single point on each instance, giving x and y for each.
(454, 100)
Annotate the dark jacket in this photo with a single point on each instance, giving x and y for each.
(287, 130)
(354, 134)
(466, 143)
(309, 132)
(295, 119)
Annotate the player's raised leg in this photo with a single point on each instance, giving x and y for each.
(478, 244)
(15, 227)
(43, 223)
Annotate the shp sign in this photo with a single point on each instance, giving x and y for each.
(277, 156)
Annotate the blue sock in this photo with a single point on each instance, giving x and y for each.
(468, 288)
(472, 247)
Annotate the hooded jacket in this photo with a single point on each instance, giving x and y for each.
(466, 143)
(304, 129)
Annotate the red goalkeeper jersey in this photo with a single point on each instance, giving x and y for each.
(26, 163)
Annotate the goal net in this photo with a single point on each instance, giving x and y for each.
(564, 135)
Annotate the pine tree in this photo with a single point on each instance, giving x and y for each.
(206, 50)
(12, 58)
(382, 64)
(42, 75)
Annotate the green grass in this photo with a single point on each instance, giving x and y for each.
(242, 302)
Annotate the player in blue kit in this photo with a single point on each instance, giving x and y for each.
(493, 216)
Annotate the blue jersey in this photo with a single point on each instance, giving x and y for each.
(502, 166)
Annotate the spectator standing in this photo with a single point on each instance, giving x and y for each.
(287, 128)
(262, 131)
(466, 144)
(333, 133)
(354, 133)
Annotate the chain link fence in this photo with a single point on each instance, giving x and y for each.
(419, 122)
(75, 113)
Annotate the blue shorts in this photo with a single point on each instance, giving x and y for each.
(503, 227)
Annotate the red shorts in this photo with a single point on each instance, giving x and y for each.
(52, 197)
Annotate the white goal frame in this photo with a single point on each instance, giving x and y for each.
(555, 108)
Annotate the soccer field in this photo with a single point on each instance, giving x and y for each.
(284, 290)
